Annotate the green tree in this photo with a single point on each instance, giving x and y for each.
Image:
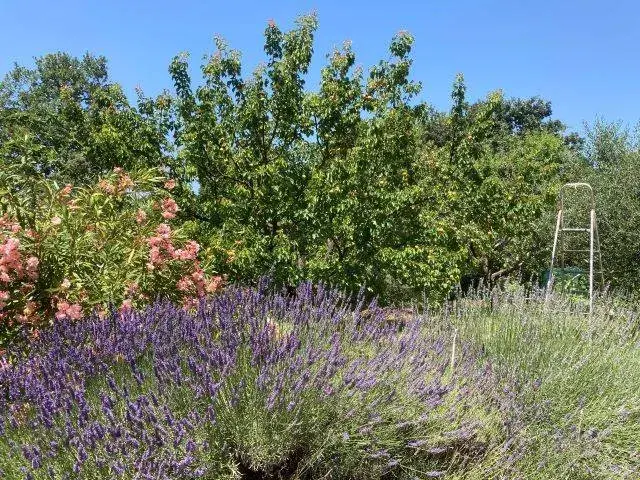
(358, 183)
(67, 120)
(242, 143)
(610, 162)
(497, 165)
(371, 213)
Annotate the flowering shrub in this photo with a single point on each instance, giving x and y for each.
(249, 384)
(87, 248)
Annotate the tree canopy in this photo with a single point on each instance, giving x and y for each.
(356, 181)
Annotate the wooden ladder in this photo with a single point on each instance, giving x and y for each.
(562, 230)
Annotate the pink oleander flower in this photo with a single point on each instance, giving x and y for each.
(163, 230)
(189, 303)
(66, 284)
(10, 249)
(155, 241)
(169, 208)
(32, 267)
(155, 255)
(126, 305)
(214, 284)
(117, 169)
(124, 182)
(4, 296)
(63, 308)
(170, 184)
(66, 191)
(10, 259)
(189, 252)
(184, 284)
(198, 275)
(56, 220)
(192, 247)
(74, 312)
(106, 187)
(141, 217)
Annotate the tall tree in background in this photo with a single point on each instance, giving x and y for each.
(368, 201)
(610, 162)
(496, 163)
(65, 119)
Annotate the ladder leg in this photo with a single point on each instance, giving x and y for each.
(554, 249)
(553, 258)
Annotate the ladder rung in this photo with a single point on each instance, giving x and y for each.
(576, 229)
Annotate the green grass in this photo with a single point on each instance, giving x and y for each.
(576, 376)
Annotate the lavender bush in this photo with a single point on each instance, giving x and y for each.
(576, 378)
(251, 385)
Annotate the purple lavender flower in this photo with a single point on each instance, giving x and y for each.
(141, 394)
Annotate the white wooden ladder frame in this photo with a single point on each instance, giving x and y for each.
(594, 240)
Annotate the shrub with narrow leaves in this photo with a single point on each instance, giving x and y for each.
(65, 251)
(249, 383)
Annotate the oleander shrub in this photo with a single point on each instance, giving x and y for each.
(65, 250)
(250, 385)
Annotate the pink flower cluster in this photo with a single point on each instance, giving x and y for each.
(4, 298)
(65, 191)
(189, 252)
(16, 274)
(194, 284)
(197, 284)
(67, 310)
(169, 261)
(121, 184)
(141, 216)
(161, 247)
(10, 260)
(169, 208)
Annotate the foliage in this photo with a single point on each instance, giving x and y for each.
(346, 184)
(238, 140)
(69, 250)
(65, 119)
(494, 172)
(611, 164)
(354, 182)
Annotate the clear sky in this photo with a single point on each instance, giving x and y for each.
(581, 55)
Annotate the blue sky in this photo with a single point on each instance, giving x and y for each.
(581, 55)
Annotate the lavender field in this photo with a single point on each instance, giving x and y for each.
(255, 384)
